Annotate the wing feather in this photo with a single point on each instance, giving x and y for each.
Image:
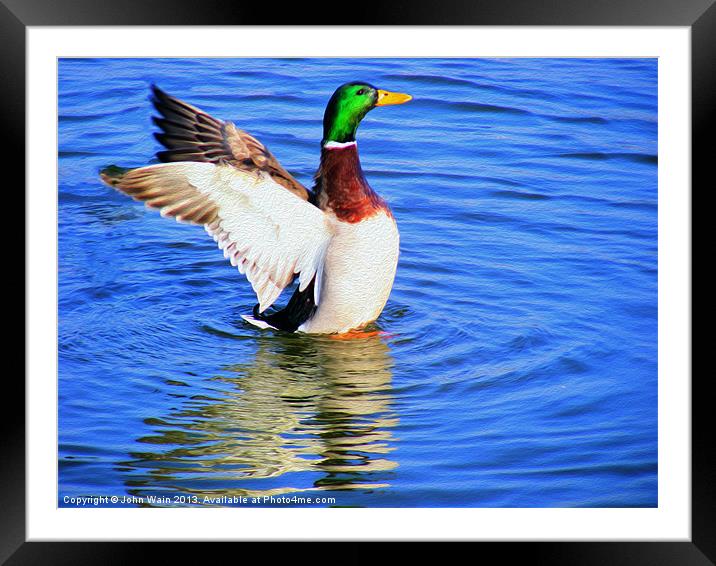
(264, 230)
(190, 134)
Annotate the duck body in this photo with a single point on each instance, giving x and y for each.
(362, 257)
(358, 276)
(339, 241)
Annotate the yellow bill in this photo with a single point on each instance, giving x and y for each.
(386, 98)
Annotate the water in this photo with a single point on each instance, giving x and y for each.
(517, 360)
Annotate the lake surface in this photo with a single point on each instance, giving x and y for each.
(517, 360)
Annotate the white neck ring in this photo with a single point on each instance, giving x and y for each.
(338, 145)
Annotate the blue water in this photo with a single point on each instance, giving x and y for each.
(517, 360)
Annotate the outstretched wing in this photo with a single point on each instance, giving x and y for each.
(266, 231)
(190, 134)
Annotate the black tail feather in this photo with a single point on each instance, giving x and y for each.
(298, 310)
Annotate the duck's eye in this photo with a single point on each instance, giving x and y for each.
(361, 91)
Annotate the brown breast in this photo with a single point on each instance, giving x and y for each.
(342, 187)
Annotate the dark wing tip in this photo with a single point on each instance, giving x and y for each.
(157, 95)
(112, 174)
(166, 156)
(162, 102)
(160, 137)
(157, 92)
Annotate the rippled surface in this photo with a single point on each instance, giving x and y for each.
(516, 364)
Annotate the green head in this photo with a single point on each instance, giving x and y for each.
(349, 105)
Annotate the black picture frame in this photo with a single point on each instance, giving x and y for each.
(16, 15)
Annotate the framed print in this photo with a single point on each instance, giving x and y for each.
(478, 330)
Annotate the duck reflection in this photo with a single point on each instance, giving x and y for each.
(305, 404)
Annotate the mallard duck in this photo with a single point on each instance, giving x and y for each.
(340, 239)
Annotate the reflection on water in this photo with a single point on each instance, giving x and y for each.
(305, 404)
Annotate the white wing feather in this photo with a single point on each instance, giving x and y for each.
(269, 233)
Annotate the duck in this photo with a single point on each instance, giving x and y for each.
(339, 239)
